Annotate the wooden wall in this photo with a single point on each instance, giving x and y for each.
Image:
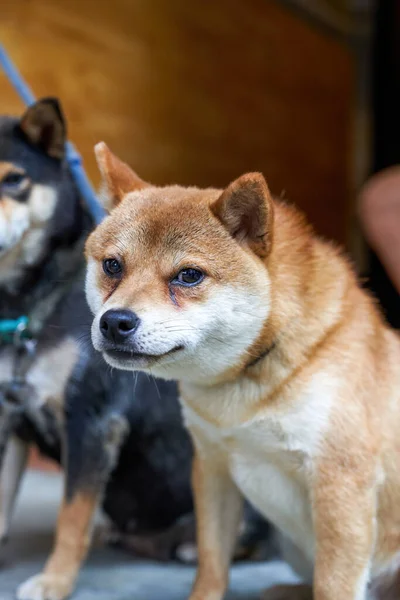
(195, 91)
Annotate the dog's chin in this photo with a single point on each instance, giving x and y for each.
(129, 360)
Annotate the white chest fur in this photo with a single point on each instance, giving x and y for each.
(41, 376)
(270, 456)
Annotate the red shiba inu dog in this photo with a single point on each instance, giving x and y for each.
(290, 379)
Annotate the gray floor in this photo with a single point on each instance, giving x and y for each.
(108, 574)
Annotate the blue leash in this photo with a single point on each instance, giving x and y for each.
(74, 159)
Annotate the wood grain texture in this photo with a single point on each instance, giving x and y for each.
(195, 92)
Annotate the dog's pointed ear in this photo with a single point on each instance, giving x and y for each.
(43, 125)
(118, 179)
(245, 208)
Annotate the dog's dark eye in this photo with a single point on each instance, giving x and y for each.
(14, 180)
(112, 267)
(189, 277)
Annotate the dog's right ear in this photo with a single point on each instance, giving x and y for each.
(118, 179)
(43, 125)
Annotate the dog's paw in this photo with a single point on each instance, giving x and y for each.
(45, 587)
(288, 592)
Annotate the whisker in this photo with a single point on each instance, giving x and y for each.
(155, 383)
(136, 374)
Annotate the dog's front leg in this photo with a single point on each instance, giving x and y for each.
(91, 455)
(11, 472)
(218, 505)
(74, 525)
(344, 505)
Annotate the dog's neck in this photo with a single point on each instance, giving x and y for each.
(263, 353)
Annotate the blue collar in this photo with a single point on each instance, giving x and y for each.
(12, 328)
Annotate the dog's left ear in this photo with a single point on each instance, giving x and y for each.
(118, 179)
(43, 125)
(245, 208)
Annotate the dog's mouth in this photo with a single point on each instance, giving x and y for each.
(125, 355)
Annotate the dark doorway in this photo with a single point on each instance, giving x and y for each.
(386, 128)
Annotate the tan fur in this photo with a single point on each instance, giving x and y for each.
(72, 541)
(310, 432)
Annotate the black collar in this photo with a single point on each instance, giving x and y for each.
(263, 354)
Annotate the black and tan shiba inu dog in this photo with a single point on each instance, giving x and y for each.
(119, 437)
(69, 392)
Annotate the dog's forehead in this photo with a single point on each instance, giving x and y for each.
(171, 218)
(166, 201)
(10, 150)
(9, 142)
(7, 125)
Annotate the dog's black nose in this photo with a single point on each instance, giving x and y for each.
(117, 325)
